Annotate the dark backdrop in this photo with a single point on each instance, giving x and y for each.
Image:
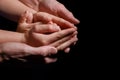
(72, 65)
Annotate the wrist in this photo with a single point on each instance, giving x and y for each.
(23, 38)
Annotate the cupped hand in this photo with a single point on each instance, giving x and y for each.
(53, 7)
(41, 32)
(43, 18)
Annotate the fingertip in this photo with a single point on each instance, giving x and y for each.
(67, 50)
(52, 50)
(73, 19)
(50, 60)
(75, 28)
(76, 21)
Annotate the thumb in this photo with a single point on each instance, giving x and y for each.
(67, 15)
(26, 17)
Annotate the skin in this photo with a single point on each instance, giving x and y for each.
(57, 39)
(20, 50)
(13, 10)
(34, 38)
(42, 29)
(18, 37)
(53, 7)
(8, 44)
(13, 13)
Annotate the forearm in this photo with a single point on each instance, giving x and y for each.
(12, 9)
(8, 36)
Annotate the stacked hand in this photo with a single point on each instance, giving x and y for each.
(39, 34)
(47, 30)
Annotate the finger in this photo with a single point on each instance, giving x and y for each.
(67, 15)
(75, 42)
(58, 35)
(49, 60)
(45, 17)
(44, 51)
(61, 41)
(45, 28)
(67, 44)
(63, 23)
(67, 50)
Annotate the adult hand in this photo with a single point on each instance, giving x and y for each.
(44, 18)
(53, 7)
(40, 38)
(20, 50)
(34, 37)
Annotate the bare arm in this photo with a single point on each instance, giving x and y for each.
(12, 9)
(8, 36)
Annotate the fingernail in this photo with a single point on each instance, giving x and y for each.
(67, 50)
(77, 21)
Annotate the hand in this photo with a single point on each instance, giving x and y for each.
(37, 28)
(53, 7)
(46, 18)
(38, 35)
(33, 37)
(20, 50)
(42, 18)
